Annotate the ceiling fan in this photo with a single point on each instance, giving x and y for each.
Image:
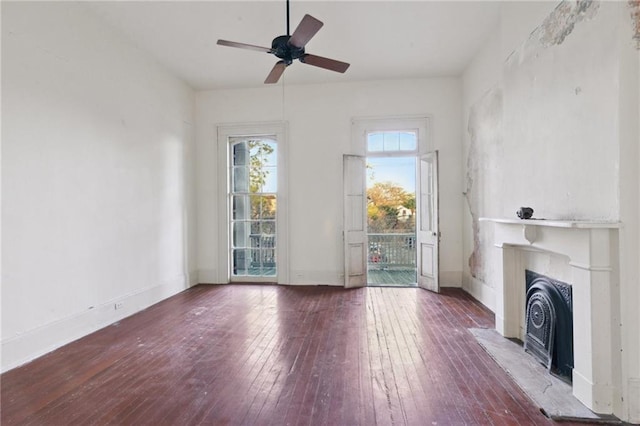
(291, 47)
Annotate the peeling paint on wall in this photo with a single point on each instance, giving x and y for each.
(561, 22)
(485, 130)
(634, 7)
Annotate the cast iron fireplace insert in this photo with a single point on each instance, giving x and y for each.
(549, 323)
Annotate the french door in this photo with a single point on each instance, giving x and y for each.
(355, 228)
(428, 231)
(355, 223)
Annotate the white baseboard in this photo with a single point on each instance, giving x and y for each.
(306, 277)
(194, 278)
(633, 401)
(20, 349)
(480, 291)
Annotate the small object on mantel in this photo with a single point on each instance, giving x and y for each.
(525, 212)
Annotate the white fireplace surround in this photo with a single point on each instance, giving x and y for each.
(591, 248)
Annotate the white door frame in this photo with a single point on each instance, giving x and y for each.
(361, 127)
(224, 132)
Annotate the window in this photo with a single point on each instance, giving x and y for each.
(252, 187)
(392, 141)
(253, 202)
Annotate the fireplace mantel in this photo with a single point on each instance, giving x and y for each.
(554, 223)
(591, 247)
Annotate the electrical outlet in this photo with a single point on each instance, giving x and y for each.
(118, 305)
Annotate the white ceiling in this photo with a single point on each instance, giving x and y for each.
(381, 39)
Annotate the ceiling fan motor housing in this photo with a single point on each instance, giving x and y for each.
(285, 51)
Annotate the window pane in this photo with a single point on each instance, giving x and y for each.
(268, 227)
(240, 207)
(240, 179)
(255, 260)
(263, 207)
(374, 142)
(240, 234)
(240, 153)
(269, 207)
(263, 166)
(267, 241)
(255, 227)
(240, 262)
(263, 148)
(268, 257)
(271, 156)
(256, 206)
(408, 141)
(391, 141)
(269, 179)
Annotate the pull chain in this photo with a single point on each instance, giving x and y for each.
(283, 99)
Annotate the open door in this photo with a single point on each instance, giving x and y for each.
(355, 224)
(427, 227)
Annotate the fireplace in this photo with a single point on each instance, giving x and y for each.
(591, 255)
(549, 323)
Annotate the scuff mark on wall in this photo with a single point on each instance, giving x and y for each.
(485, 130)
(561, 22)
(634, 7)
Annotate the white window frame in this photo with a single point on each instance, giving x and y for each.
(224, 133)
(361, 127)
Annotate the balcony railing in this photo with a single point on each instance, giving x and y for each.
(392, 250)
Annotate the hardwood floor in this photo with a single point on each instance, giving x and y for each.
(276, 355)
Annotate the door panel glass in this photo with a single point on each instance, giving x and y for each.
(426, 198)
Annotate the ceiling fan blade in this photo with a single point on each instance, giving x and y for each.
(244, 46)
(307, 28)
(276, 72)
(326, 63)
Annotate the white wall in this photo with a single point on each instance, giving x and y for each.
(553, 123)
(481, 85)
(319, 121)
(96, 178)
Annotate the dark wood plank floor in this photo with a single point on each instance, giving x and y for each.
(276, 355)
